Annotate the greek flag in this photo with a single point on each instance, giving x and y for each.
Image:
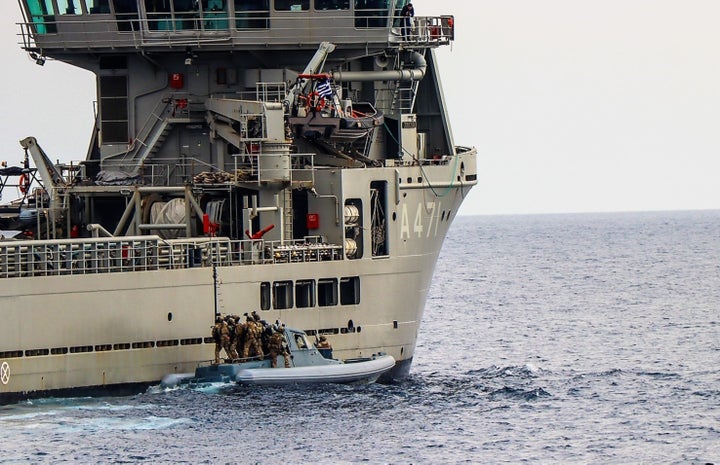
(324, 89)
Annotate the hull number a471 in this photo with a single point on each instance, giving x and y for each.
(425, 222)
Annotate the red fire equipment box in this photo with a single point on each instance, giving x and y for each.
(313, 221)
(177, 80)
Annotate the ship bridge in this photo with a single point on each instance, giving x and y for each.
(58, 27)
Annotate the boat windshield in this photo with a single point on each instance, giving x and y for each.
(301, 342)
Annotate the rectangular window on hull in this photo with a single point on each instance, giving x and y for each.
(305, 293)
(350, 290)
(282, 295)
(265, 296)
(327, 292)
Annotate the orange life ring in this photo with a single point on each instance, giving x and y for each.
(24, 183)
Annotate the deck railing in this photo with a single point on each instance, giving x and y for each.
(152, 253)
(279, 28)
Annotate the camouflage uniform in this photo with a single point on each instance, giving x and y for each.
(224, 339)
(217, 336)
(278, 346)
(239, 341)
(253, 332)
(232, 345)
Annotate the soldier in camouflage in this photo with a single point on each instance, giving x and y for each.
(232, 334)
(278, 346)
(216, 337)
(225, 338)
(239, 341)
(253, 332)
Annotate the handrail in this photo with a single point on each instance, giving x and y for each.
(29, 258)
(76, 32)
(160, 113)
(157, 172)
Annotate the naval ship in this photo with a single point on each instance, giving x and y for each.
(289, 157)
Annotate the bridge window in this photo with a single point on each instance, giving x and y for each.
(42, 15)
(158, 14)
(252, 14)
(186, 15)
(98, 6)
(327, 292)
(371, 13)
(215, 14)
(157, 6)
(127, 15)
(69, 7)
(350, 290)
(332, 4)
(185, 5)
(292, 5)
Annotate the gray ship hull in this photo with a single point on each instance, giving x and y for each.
(105, 329)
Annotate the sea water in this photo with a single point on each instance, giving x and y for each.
(589, 338)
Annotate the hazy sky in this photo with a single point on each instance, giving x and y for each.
(574, 105)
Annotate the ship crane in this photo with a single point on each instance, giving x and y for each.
(51, 177)
(313, 67)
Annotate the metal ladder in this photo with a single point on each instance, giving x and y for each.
(403, 100)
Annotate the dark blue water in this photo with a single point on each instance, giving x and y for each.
(546, 339)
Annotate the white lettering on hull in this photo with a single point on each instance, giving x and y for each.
(419, 224)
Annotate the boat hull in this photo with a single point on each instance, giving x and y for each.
(358, 372)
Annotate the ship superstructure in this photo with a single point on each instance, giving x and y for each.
(292, 157)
